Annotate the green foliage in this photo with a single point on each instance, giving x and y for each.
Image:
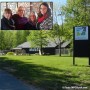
(76, 12)
(38, 38)
(10, 53)
(2, 46)
(10, 39)
(59, 33)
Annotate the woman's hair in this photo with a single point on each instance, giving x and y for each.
(33, 14)
(48, 10)
(20, 7)
(7, 10)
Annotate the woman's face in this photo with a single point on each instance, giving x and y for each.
(32, 17)
(21, 11)
(7, 15)
(43, 9)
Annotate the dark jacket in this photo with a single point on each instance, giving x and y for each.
(19, 22)
(7, 24)
(30, 26)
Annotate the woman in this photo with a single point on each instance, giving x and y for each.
(31, 25)
(7, 22)
(44, 17)
(19, 18)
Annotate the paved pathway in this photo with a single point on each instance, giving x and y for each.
(9, 82)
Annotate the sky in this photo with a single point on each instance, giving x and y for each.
(58, 3)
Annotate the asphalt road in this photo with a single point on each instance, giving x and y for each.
(9, 82)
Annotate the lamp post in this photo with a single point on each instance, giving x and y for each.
(60, 36)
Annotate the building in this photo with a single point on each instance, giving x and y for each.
(50, 49)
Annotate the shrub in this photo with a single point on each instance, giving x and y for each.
(10, 53)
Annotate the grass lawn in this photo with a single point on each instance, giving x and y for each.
(49, 72)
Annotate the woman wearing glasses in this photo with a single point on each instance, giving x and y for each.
(44, 21)
(20, 19)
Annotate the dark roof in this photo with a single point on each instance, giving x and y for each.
(24, 45)
(17, 48)
(50, 44)
(27, 45)
(53, 43)
(65, 44)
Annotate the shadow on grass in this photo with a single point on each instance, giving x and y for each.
(39, 75)
(66, 56)
(81, 65)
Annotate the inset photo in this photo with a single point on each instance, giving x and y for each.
(26, 15)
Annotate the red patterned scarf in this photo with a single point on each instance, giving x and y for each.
(41, 19)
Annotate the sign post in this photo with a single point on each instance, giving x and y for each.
(81, 42)
(89, 60)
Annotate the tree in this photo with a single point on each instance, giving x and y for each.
(38, 39)
(76, 12)
(8, 40)
(24, 35)
(20, 37)
(2, 46)
(54, 35)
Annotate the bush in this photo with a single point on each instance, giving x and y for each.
(10, 53)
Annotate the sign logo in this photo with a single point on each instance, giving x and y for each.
(81, 33)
